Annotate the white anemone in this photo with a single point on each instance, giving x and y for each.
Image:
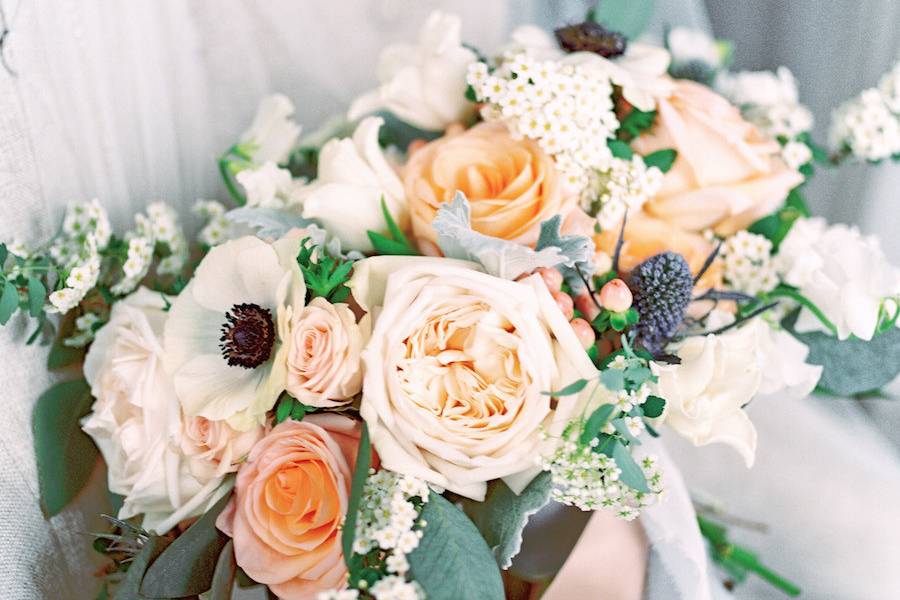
(223, 337)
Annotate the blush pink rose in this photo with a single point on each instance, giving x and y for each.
(214, 448)
(290, 499)
(727, 175)
(323, 363)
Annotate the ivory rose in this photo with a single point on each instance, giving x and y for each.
(727, 175)
(290, 499)
(455, 369)
(136, 419)
(323, 364)
(512, 185)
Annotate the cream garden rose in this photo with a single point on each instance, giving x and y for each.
(323, 363)
(214, 448)
(455, 369)
(136, 419)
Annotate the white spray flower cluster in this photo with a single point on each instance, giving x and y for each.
(748, 264)
(585, 477)
(139, 256)
(868, 126)
(388, 524)
(624, 186)
(167, 231)
(85, 327)
(218, 228)
(567, 109)
(84, 270)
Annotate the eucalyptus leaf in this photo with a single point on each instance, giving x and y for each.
(500, 258)
(65, 455)
(573, 388)
(854, 366)
(37, 293)
(620, 149)
(621, 426)
(631, 474)
(360, 473)
(9, 302)
(186, 567)
(130, 588)
(653, 407)
(503, 515)
(224, 574)
(628, 17)
(613, 379)
(596, 421)
(661, 159)
(269, 222)
(452, 560)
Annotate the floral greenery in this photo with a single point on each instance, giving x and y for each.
(397, 243)
(325, 275)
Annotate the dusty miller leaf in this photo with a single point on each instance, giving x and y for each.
(502, 516)
(500, 258)
(269, 222)
(577, 251)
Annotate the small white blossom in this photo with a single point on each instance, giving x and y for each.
(167, 231)
(397, 563)
(625, 186)
(693, 45)
(82, 277)
(338, 595)
(796, 154)
(866, 126)
(218, 228)
(139, 257)
(566, 109)
(267, 186)
(748, 265)
(84, 326)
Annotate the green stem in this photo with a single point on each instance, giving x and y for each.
(225, 171)
(806, 303)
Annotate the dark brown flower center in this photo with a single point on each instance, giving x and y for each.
(591, 37)
(248, 335)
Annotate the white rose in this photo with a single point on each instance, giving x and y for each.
(423, 84)
(273, 133)
(455, 369)
(323, 364)
(353, 177)
(842, 272)
(783, 363)
(214, 448)
(136, 419)
(267, 186)
(705, 394)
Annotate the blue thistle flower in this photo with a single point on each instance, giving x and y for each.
(662, 286)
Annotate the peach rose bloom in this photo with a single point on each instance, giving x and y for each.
(512, 185)
(646, 236)
(727, 175)
(323, 364)
(214, 448)
(289, 500)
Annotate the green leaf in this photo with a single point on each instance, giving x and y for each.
(637, 375)
(65, 455)
(853, 366)
(613, 379)
(661, 159)
(653, 406)
(62, 356)
(3, 254)
(385, 245)
(618, 321)
(621, 428)
(452, 560)
(573, 388)
(360, 473)
(325, 276)
(503, 515)
(631, 475)
(595, 422)
(130, 588)
(636, 122)
(796, 201)
(9, 302)
(224, 573)
(186, 567)
(283, 410)
(628, 17)
(620, 149)
(36, 295)
(396, 233)
(298, 411)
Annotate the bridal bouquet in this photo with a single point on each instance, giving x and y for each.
(487, 289)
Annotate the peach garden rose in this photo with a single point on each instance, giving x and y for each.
(456, 367)
(512, 185)
(289, 501)
(727, 174)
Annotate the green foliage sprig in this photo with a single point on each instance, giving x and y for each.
(326, 276)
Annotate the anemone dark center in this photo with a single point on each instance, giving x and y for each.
(248, 335)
